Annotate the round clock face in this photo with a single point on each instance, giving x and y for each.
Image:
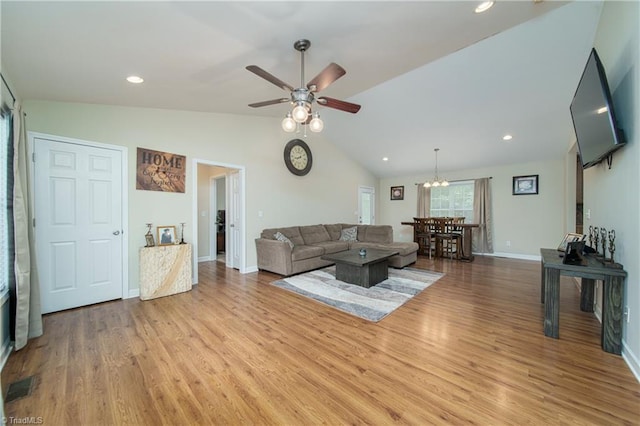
(297, 157)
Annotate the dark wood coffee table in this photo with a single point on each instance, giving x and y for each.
(365, 270)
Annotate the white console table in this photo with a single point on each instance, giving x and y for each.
(165, 270)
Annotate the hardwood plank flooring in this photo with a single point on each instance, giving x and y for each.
(470, 349)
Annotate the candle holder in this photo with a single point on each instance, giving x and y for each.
(182, 233)
(596, 239)
(590, 236)
(612, 245)
(603, 236)
(149, 236)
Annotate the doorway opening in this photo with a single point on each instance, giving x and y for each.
(218, 214)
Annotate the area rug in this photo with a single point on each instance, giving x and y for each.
(372, 303)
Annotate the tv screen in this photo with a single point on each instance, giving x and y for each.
(593, 115)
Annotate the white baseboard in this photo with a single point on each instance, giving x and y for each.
(133, 293)
(631, 359)
(511, 255)
(204, 259)
(250, 269)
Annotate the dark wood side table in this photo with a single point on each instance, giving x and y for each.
(613, 292)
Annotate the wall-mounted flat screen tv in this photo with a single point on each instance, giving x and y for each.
(594, 118)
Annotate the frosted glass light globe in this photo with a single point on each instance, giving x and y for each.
(288, 124)
(316, 124)
(300, 114)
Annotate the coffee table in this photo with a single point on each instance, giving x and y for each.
(364, 271)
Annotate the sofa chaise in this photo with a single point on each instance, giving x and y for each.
(295, 249)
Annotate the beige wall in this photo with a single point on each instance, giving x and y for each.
(327, 194)
(612, 195)
(527, 221)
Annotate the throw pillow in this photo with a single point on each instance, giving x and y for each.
(280, 237)
(349, 234)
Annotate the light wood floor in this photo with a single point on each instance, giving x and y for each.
(468, 350)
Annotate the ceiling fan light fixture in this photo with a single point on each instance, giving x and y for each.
(288, 123)
(316, 124)
(300, 113)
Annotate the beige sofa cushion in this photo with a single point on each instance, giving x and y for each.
(302, 252)
(314, 234)
(333, 246)
(292, 232)
(376, 234)
(334, 231)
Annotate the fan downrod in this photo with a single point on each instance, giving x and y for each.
(302, 45)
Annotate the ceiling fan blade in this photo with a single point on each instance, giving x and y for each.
(271, 102)
(269, 77)
(327, 76)
(338, 104)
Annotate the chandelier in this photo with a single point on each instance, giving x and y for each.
(436, 181)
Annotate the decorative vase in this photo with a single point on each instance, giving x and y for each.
(363, 252)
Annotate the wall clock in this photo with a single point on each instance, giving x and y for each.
(297, 157)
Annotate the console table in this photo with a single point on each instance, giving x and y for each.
(165, 270)
(613, 291)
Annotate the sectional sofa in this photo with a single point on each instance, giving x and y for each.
(296, 249)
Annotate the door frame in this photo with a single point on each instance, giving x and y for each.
(124, 191)
(370, 189)
(194, 211)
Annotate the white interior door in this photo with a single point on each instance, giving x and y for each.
(366, 205)
(78, 223)
(234, 221)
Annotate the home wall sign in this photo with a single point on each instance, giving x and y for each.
(160, 171)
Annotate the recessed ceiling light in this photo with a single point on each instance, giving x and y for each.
(484, 6)
(507, 137)
(135, 79)
(385, 158)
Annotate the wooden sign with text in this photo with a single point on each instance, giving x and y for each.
(160, 171)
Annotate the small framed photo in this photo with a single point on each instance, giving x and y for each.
(397, 192)
(570, 238)
(149, 239)
(166, 235)
(525, 185)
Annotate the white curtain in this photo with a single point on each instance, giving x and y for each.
(482, 236)
(28, 311)
(424, 201)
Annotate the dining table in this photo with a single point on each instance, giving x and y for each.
(466, 253)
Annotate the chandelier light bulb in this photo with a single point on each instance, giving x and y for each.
(427, 185)
(300, 113)
(316, 124)
(444, 183)
(435, 184)
(288, 124)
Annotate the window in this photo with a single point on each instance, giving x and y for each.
(455, 200)
(6, 201)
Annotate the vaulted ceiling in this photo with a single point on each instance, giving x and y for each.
(428, 74)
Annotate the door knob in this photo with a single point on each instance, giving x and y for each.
(116, 232)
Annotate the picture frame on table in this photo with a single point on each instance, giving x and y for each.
(166, 235)
(570, 238)
(397, 193)
(525, 185)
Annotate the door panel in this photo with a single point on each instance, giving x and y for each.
(366, 205)
(78, 207)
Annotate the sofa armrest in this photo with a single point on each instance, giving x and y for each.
(274, 256)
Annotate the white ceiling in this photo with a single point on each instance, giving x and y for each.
(428, 74)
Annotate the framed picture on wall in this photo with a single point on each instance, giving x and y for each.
(525, 185)
(397, 192)
(166, 235)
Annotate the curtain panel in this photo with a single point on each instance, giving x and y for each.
(482, 236)
(424, 201)
(28, 313)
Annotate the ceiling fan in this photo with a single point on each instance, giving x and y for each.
(303, 97)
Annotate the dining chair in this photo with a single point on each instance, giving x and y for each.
(451, 237)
